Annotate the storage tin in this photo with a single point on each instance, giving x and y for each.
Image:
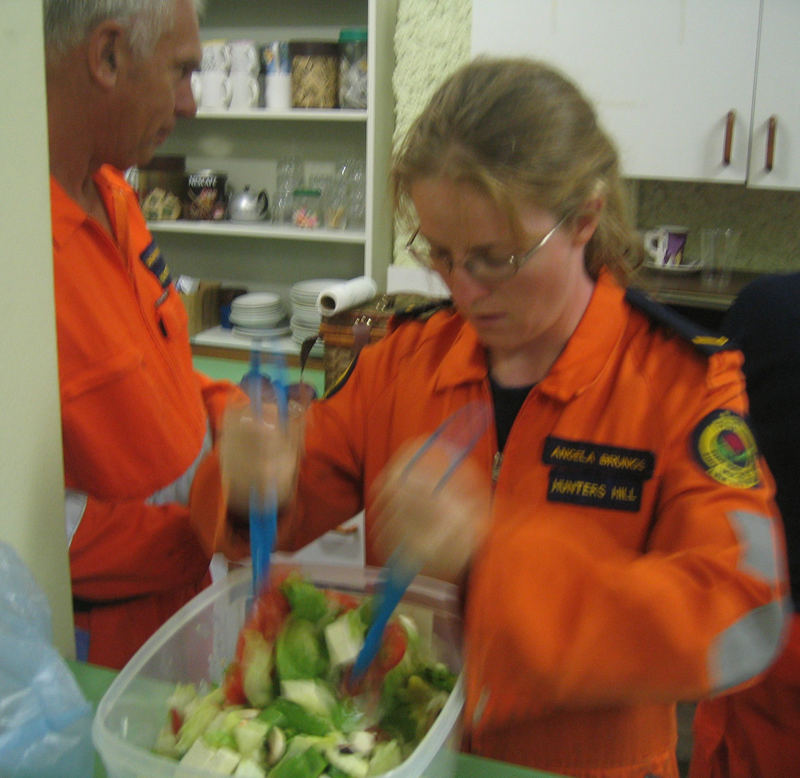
(206, 196)
(315, 74)
(161, 187)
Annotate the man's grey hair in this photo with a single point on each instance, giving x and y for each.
(67, 23)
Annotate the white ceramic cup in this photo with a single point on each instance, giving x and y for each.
(244, 57)
(278, 91)
(244, 91)
(215, 90)
(666, 244)
(216, 56)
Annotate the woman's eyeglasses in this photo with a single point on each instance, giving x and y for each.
(479, 265)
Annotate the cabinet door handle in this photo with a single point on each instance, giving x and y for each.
(772, 126)
(726, 151)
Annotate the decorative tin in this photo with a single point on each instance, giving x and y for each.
(206, 196)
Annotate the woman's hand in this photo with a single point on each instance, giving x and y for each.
(437, 527)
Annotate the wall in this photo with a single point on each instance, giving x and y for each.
(31, 479)
(769, 220)
(433, 37)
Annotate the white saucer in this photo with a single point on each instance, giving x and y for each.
(691, 267)
(252, 332)
(256, 300)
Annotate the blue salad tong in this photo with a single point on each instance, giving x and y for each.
(263, 515)
(456, 436)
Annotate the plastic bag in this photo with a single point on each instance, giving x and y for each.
(45, 721)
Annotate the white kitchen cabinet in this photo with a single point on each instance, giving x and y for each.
(247, 145)
(776, 98)
(666, 75)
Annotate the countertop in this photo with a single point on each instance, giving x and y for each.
(94, 681)
(690, 289)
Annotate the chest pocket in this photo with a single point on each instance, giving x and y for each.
(172, 319)
(124, 437)
(113, 368)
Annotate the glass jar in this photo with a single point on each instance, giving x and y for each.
(353, 67)
(306, 208)
(315, 74)
(335, 205)
(356, 209)
(290, 173)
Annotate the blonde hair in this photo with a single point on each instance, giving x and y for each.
(521, 132)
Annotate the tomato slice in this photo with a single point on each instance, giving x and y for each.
(393, 647)
(345, 602)
(267, 615)
(233, 684)
(176, 720)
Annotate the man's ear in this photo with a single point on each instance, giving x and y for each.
(588, 218)
(105, 52)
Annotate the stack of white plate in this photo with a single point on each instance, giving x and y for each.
(259, 314)
(306, 318)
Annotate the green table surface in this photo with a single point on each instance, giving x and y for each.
(94, 681)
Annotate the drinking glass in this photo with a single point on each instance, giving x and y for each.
(718, 247)
(290, 175)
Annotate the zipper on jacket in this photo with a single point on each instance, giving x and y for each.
(497, 461)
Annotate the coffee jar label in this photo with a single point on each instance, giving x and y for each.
(206, 196)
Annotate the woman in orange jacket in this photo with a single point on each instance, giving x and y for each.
(613, 529)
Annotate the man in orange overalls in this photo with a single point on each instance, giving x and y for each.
(144, 502)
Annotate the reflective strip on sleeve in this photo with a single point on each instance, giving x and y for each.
(74, 507)
(749, 646)
(178, 490)
(757, 535)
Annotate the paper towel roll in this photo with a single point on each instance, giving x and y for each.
(340, 297)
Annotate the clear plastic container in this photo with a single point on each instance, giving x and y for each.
(353, 67)
(307, 208)
(198, 642)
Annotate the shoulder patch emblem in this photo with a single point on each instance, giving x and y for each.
(725, 448)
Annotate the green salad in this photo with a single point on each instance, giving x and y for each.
(288, 706)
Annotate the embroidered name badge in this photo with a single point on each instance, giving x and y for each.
(636, 462)
(594, 488)
(725, 448)
(596, 475)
